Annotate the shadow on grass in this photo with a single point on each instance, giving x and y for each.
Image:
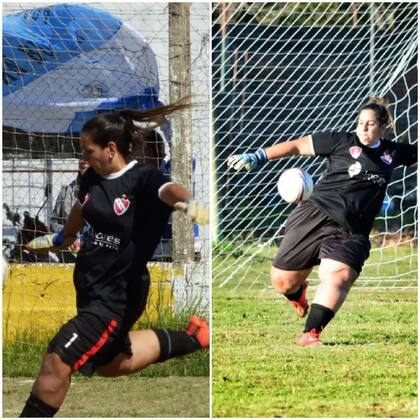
(341, 343)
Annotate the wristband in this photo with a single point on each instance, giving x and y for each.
(58, 239)
(261, 156)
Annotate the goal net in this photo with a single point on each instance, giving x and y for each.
(62, 64)
(283, 70)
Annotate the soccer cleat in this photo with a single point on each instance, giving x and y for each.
(199, 328)
(310, 338)
(301, 305)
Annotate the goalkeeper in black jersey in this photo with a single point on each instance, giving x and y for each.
(122, 209)
(332, 227)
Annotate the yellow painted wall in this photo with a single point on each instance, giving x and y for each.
(39, 298)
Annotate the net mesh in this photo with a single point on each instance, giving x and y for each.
(113, 56)
(284, 70)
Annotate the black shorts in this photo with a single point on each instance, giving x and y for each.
(92, 338)
(311, 235)
(96, 334)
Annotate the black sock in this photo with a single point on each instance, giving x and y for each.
(175, 343)
(318, 318)
(295, 296)
(34, 407)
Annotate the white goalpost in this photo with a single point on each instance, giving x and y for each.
(283, 70)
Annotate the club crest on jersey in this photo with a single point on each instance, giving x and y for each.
(121, 205)
(355, 151)
(386, 158)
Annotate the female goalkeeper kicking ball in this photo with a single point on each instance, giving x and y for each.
(123, 207)
(332, 227)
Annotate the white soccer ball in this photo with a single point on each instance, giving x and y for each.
(295, 185)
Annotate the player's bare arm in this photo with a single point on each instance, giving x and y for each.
(42, 245)
(298, 147)
(74, 222)
(176, 196)
(171, 193)
(248, 161)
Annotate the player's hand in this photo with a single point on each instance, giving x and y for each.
(76, 245)
(53, 242)
(247, 161)
(194, 210)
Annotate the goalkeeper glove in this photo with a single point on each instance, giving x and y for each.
(194, 210)
(247, 161)
(53, 242)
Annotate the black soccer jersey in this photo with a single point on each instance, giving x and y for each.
(123, 222)
(352, 188)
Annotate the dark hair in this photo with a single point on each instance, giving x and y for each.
(380, 107)
(119, 126)
(151, 150)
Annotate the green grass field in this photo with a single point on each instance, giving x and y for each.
(132, 396)
(367, 367)
(176, 388)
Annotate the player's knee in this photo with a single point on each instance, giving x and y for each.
(49, 385)
(342, 277)
(53, 375)
(53, 365)
(282, 281)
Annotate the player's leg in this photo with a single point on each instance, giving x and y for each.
(49, 389)
(292, 284)
(336, 279)
(288, 282)
(342, 257)
(72, 348)
(152, 346)
(146, 350)
(297, 254)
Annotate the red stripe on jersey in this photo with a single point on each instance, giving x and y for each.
(96, 347)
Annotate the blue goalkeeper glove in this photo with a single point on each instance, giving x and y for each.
(54, 242)
(247, 161)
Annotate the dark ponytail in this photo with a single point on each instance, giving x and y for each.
(381, 108)
(128, 128)
(150, 150)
